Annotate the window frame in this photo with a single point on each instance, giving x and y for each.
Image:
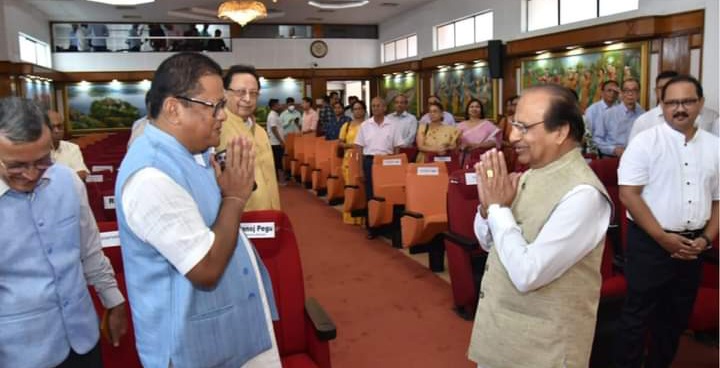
(453, 23)
(598, 3)
(394, 42)
(39, 45)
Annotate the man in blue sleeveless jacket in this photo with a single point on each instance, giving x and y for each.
(50, 252)
(200, 296)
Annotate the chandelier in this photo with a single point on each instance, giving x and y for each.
(242, 11)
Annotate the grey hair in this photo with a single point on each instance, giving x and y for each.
(21, 120)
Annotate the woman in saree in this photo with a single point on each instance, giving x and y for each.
(477, 132)
(435, 137)
(348, 132)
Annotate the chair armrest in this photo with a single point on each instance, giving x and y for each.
(465, 243)
(316, 170)
(352, 187)
(378, 199)
(416, 215)
(324, 326)
(332, 177)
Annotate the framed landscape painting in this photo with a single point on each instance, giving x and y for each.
(455, 87)
(104, 106)
(584, 71)
(400, 83)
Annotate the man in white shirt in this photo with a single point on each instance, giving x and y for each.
(668, 181)
(448, 118)
(593, 114)
(404, 122)
(64, 152)
(707, 120)
(276, 136)
(544, 232)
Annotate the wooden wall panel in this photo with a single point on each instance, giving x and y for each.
(675, 54)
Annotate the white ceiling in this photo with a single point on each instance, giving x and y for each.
(295, 11)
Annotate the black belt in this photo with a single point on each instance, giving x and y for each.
(690, 234)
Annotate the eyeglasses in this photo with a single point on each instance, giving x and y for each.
(217, 107)
(522, 127)
(16, 168)
(630, 90)
(240, 93)
(686, 103)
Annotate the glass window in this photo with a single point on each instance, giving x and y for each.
(608, 7)
(34, 51)
(542, 14)
(465, 32)
(389, 51)
(401, 48)
(412, 46)
(446, 36)
(577, 10)
(484, 27)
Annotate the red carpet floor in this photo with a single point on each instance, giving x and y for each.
(390, 311)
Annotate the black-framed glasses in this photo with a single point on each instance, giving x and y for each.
(240, 93)
(522, 127)
(686, 103)
(631, 90)
(217, 107)
(16, 168)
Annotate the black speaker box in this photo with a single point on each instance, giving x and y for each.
(496, 54)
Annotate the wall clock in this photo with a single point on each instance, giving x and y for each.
(318, 49)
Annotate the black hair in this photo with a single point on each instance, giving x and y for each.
(467, 109)
(361, 102)
(310, 101)
(680, 79)
(289, 100)
(240, 69)
(179, 75)
(602, 86)
(272, 102)
(563, 110)
(667, 74)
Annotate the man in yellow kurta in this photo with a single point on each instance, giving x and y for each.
(242, 86)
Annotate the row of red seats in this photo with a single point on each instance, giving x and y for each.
(303, 330)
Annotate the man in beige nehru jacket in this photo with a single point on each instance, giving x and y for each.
(543, 230)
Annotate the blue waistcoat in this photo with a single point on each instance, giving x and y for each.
(45, 307)
(174, 320)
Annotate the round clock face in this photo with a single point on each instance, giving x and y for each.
(318, 49)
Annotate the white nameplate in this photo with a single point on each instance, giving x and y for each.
(94, 179)
(428, 171)
(442, 159)
(392, 162)
(109, 202)
(98, 168)
(110, 239)
(258, 230)
(471, 178)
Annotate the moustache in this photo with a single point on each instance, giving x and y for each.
(680, 114)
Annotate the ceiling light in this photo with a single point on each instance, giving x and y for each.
(123, 2)
(571, 47)
(242, 11)
(608, 42)
(338, 4)
(540, 52)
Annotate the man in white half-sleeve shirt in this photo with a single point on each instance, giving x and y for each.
(64, 152)
(405, 122)
(668, 181)
(199, 294)
(544, 232)
(707, 119)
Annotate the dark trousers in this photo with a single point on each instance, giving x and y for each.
(278, 152)
(367, 171)
(91, 359)
(660, 298)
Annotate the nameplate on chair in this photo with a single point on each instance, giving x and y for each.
(471, 178)
(110, 239)
(109, 202)
(94, 178)
(392, 162)
(258, 230)
(442, 159)
(98, 168)
(428, 171)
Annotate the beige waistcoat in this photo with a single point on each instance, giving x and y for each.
(552, 326)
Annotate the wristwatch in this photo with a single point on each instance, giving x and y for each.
(708, 244)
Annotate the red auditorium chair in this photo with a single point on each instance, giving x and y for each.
(125, 355)
(704, 316)
(466, 259)
(452, 160)
(304, 329)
